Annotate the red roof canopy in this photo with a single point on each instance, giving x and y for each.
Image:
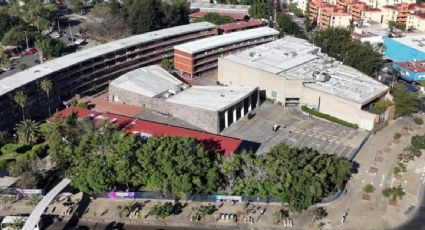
(240, 25)
(418, 66)
(218, 143)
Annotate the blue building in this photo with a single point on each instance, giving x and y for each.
(411, 71)
(409, 48)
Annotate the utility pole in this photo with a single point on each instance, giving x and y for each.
(70, 33)
(59, 26)
(26, 39)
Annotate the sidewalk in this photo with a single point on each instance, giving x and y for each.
(376, 162)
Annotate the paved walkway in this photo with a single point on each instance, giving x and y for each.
(376, 162)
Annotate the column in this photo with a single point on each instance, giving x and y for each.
(234, 114)
(249, 103)
(226, 120)
(242, 109)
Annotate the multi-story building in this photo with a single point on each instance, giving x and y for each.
(411, 71)
(331, 16)
(381, 3)
(301, 4)
(210, 108)
(314, 7)
(242, 25)
(372, 14)
(293, 72)
(397, 13)
(356, 9)
(416, 21)
(409, 48)
(199, 57)
(85, 71)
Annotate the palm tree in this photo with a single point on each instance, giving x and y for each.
(46, 86)
(28, 132)
(22, 100)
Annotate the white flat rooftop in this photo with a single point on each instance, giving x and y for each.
(149, 81)
(21, 78)
(214, 98)
(350, 84)
(414, 41)
(225, 39)
(296, 59)
(277, 56)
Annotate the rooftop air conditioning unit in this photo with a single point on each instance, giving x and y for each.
(167, 95)
(322, 77)
(185, 86)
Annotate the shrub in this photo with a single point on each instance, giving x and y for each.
(82, 105)
(397, 136)
(162, 211)
(328, 117)
(368, 188)
(12, 148)
(418, 142)
(418, 120)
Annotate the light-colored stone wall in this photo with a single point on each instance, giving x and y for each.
(276, 87)
(204, 119)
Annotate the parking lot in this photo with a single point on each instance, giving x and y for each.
(297, 130)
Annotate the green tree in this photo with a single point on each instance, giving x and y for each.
(77, 6)
(294, 9)
(368, 188)
(28, 132)
(7, 22)
(381, 106)
(405, 103)
(38, 14)
(287, 26)
(22, 100)
(215, 19)
(261, 10)
(162, 210)
(167, 64)
(50, 47)
(338, 43)
(13, 37)
(46, 86)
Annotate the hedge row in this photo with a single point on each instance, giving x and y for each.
(328, 117)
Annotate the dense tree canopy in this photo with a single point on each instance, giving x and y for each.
(7, 22)
(405, 102)
(51, 47)
(150, 15)
(299, 177)
(287, 26)
(215, 19)
(338, 43)
(105, 24)
(261, 10)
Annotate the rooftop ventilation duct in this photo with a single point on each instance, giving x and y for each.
(323, 76)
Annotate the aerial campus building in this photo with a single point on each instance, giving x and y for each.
(292, 71)
(411, 71)
(85, 71)
(199, 57)
(211, 108)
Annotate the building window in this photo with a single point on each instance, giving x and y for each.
(274, 94)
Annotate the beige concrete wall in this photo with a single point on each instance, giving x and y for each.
(342, 21)
(372, 15)
(416, 22)
(340, 108)
(231, 73)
